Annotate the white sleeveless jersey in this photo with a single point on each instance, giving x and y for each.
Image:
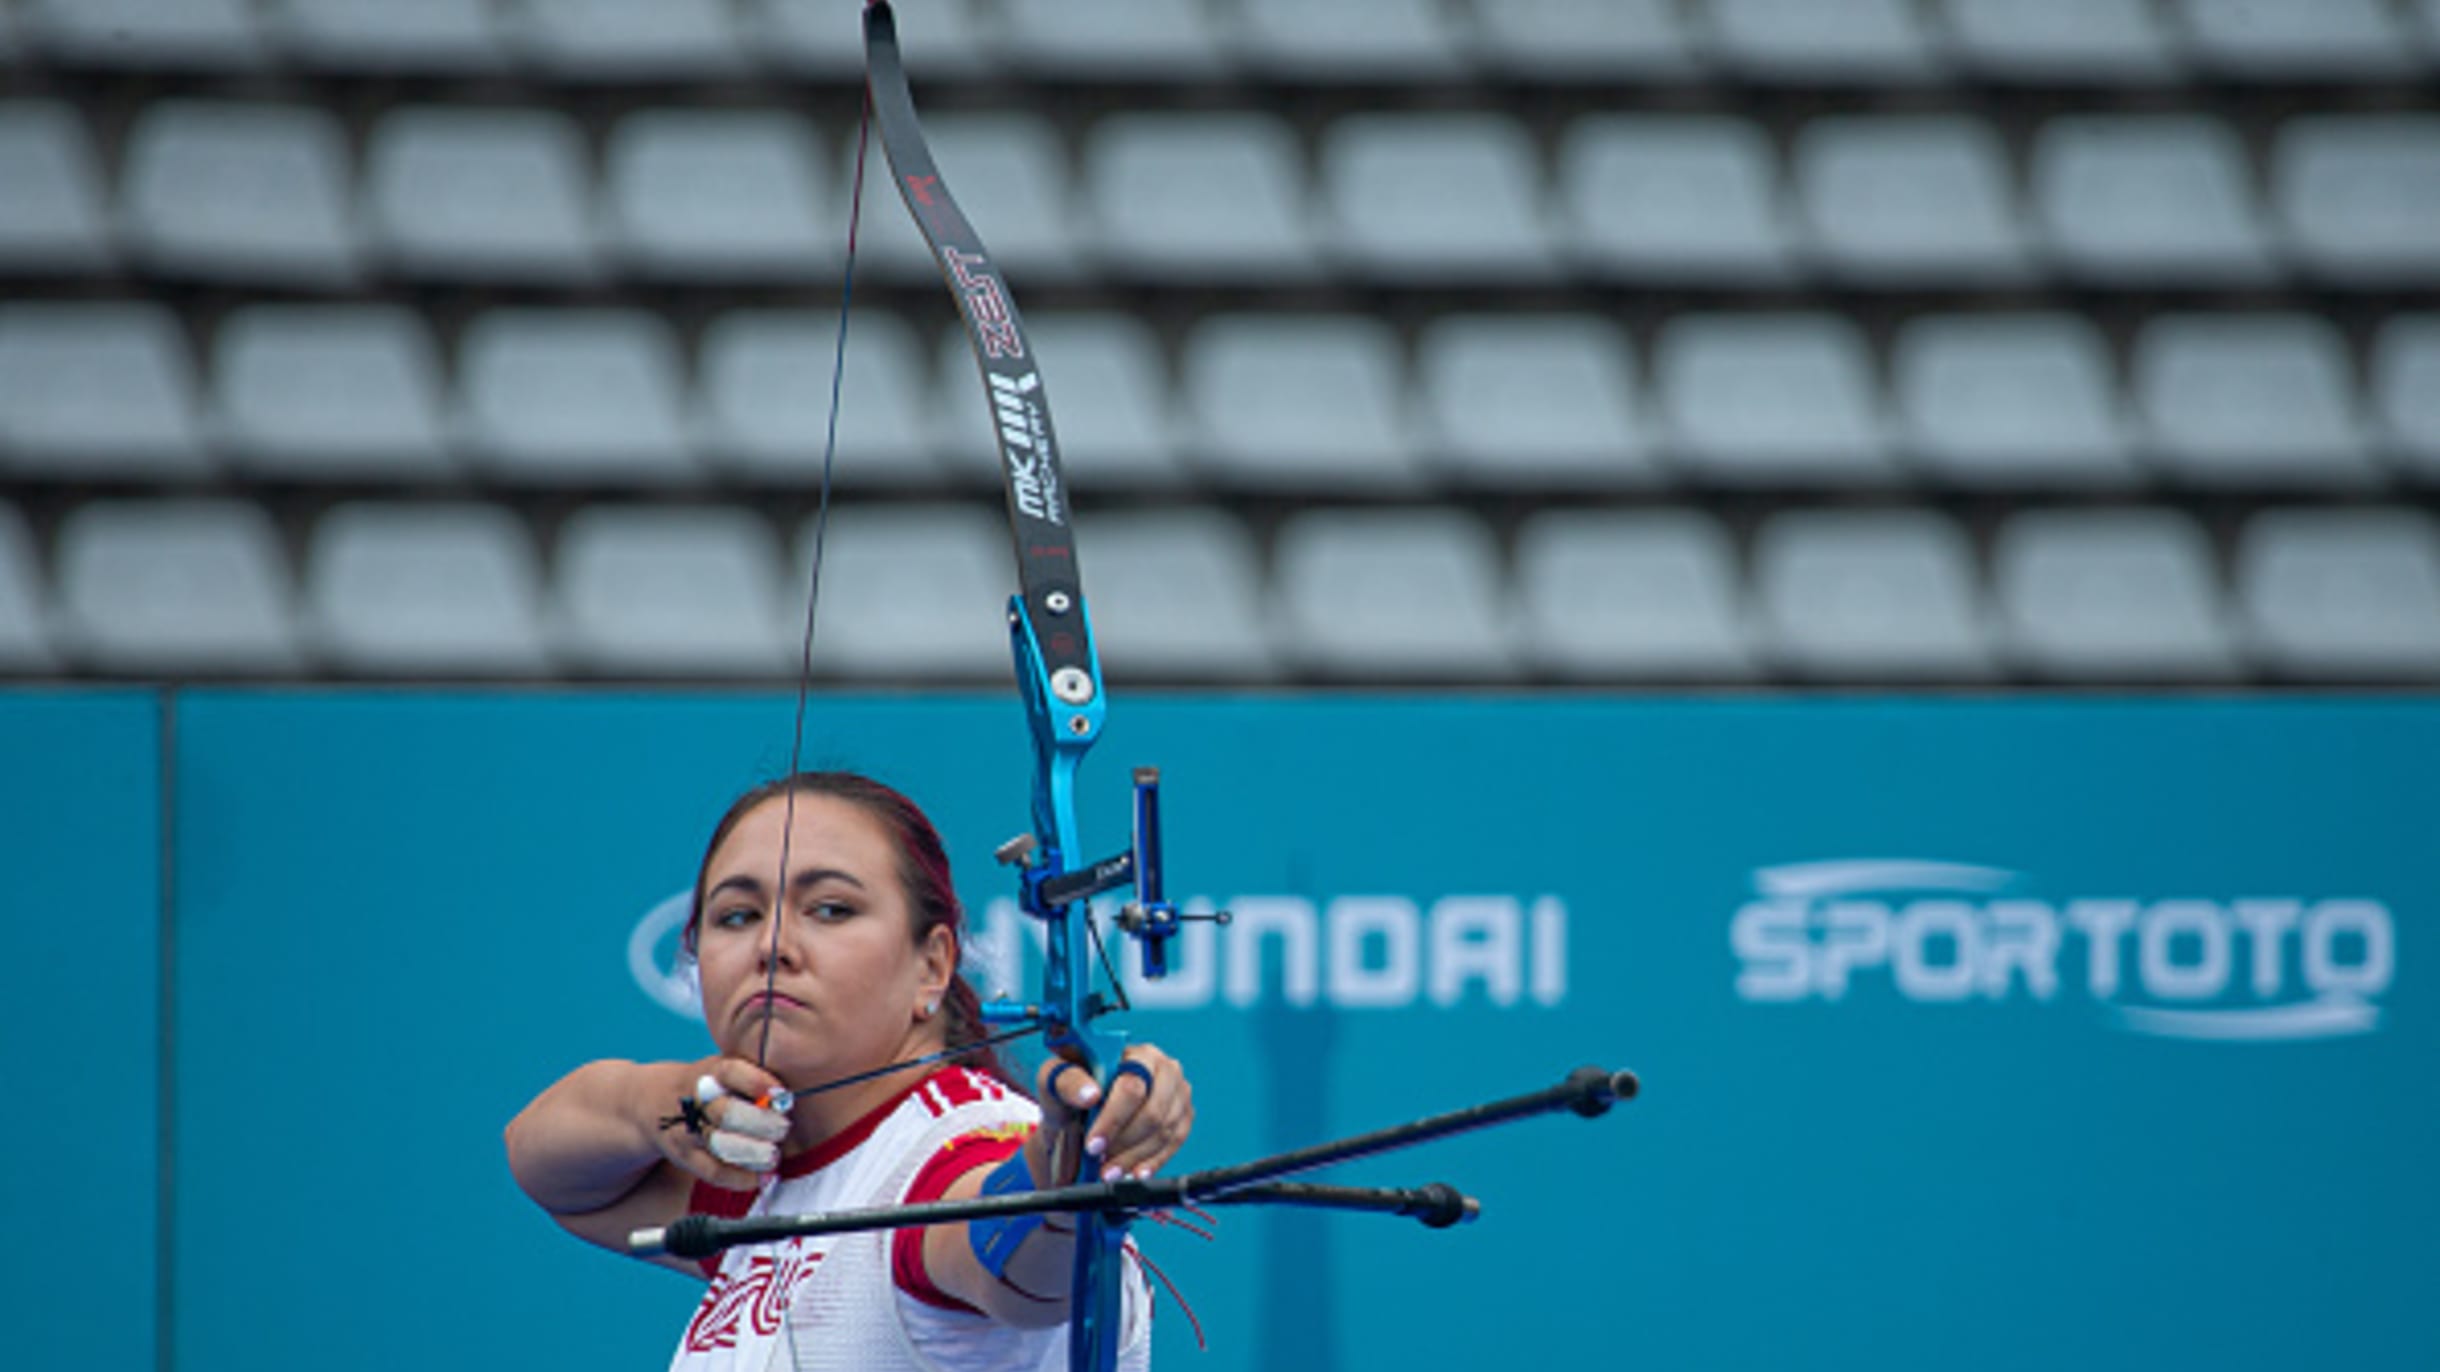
(832, 1303)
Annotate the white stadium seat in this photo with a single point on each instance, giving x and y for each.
(1350, 40)
(909, 593)
(1785, 399)
(1295, 402)
(1667, 199)
(425, 590)
(2255, 400)
(330, 392)
(240, 191)
(1633, 595)
(660, 592)
(1871, 595)
(1519, 402)
(2111, 595)
(98, 391)
(2059, 41)
(2149, 200)
(494, 195)
(573, 398)
(1124, 39)
(719, 195)
(1412, 594)
(1900, 200)
(2297, 39)
(1201, 196)
(2358, 195)
(2012, 400)
(1175, 594)
(762, 399)
(624, 40)
(214, 35)
(1110, 403)
(51, 220)
(169, 588)
(1584, 40)
(2405, 384)
(1436, 197)
(384, 36)
(1875, 41)
(25, 615)
(2339, 594)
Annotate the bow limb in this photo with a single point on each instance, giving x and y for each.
(1058, 673)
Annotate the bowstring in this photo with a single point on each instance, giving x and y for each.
(813, 590)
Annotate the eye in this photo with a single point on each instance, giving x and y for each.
(830, 911)
(735, 916)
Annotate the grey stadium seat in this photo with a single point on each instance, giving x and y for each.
(719, 195)
(236, 191)
(624, 40)
(25, 633)
(2120, 41)
(171, 588)
(1879, 41)
(1009, 173)
(942, 38)
(573, 397)
(97, 391)
(1299, 403)
(2343, 593)
(909, 593)
(1583, 40)
(1634, 595)
(762, 399)
(1201, 196)
(1126, 39)
(2405, 385)
(425, 590)
(215, 35)
(1675, 198)
(2149, 200)
(1109, 402)
(1410, 594)
(2297, 39)
(2251, 400)
(2012, 400)
(2358, 195)
(1772, 399)
(1435, 197)
(1871, 595)
(330, 393)
(384, 36)
(642, 591)
(1351, 40)
(481, 194)
(1524, 401)
(2111, 595)
(51, 220)
(1911, 200)
(1175, 594)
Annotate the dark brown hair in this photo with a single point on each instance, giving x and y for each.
(923, 873)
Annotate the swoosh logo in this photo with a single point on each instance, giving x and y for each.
(1850, 876)
(673, 987)
(2332, 1016)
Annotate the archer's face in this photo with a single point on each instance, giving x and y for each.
(845, 984)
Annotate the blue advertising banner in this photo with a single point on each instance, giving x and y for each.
(2010, 1033)
(80, 1025)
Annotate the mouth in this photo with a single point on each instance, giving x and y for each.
(768, 1002)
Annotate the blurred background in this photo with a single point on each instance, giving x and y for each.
(1872, 560)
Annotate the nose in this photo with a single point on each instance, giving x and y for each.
(781, 945)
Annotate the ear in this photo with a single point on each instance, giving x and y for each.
(939, 958)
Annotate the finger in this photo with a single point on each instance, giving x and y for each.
(742, 1150)
(735, 1116)
(693, 1160)
(1066, 1090)
(1159, 1129)
(1122, 1119)
(736, 1077)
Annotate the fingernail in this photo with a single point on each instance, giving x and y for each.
(1088, 1095)
(1096, 1145)
(1143, 1174)
(1113, 1172)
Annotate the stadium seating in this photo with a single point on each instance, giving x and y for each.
(52, 220)
(98, 390)
(425, 590)
(176, 589)
(339, 393)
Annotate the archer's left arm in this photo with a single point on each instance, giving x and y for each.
(1136, 1134)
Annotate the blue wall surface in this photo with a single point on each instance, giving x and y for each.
(1993, 1033)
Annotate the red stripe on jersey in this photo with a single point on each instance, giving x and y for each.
(955, 1159)
(707, 1199)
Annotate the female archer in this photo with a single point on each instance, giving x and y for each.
(846, 976)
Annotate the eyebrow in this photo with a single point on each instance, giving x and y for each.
(811, 876)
